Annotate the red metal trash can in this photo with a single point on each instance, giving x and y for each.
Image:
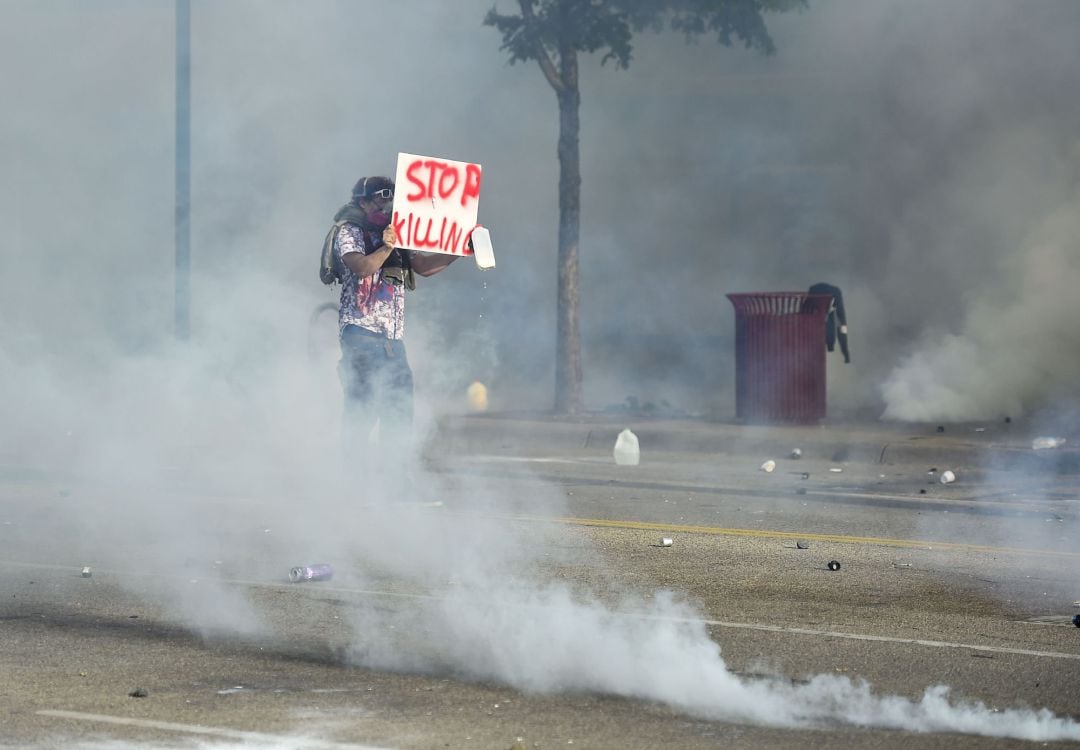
(780, 356)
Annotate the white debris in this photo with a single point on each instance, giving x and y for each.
(666, 542)
(947, 477)
(768, 466)
(835, 469)
(627, 451)
(1044, 443)
(796, 453)
(86, 572)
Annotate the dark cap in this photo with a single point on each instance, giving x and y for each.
(366, 187)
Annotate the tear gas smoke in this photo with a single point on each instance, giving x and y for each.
(946, 212)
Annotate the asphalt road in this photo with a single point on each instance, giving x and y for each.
(526, 598)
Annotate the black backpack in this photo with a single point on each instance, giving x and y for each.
(330, 266)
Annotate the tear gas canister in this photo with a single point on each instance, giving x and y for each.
(317, 572)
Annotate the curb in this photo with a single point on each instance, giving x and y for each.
(868, 444)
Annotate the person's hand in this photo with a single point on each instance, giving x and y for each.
(389, 237)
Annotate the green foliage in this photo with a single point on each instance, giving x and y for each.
(546, 27)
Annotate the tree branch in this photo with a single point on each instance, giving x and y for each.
(546, 65)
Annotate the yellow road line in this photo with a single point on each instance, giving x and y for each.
(767, 534)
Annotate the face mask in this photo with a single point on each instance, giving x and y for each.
(379, 219)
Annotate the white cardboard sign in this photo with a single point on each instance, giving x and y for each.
(435, 203)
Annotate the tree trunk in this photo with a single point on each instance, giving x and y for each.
(569, 397)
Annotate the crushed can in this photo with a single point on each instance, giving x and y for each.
(317, 572)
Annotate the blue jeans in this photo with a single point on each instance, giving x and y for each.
(378, 386)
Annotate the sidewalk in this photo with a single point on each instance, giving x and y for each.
(986, 445)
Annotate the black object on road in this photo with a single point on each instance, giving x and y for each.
(834, 565)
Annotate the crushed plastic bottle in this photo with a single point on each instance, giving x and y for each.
(627, 451)
(317, 572)
(1044, 443)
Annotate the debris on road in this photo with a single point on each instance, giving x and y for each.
(138, 693)
(627, 451)
(834, 565)
(941, 428)
(318, 572)
(666, 542)
(835, 469)
(1045, 443)
(931, 476)
(796, 453)
(768, 466)
(947, 477)
(802, 544)
(86, 572)
(1076, 620)
(806, 475)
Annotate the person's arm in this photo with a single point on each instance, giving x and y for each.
(367, 264)
(429, 264)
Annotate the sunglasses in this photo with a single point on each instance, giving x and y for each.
(385, 194)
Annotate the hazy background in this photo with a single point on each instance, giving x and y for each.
(921, 155)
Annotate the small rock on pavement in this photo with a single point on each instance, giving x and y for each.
(138, 693)
(86, 572)
(796, 453)
(768, 466)
(802, 544)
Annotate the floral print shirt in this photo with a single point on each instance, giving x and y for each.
(371, 302)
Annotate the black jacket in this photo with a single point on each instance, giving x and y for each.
(836, 322)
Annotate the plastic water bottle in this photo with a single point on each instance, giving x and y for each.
(627, 451)
(317, 572)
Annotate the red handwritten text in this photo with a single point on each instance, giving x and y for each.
(431, 178)
(442, 235)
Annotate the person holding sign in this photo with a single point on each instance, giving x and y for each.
(375, 272)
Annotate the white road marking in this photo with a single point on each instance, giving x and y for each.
(300, 743)
(884, 639)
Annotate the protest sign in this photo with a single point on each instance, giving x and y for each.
(435, 203)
